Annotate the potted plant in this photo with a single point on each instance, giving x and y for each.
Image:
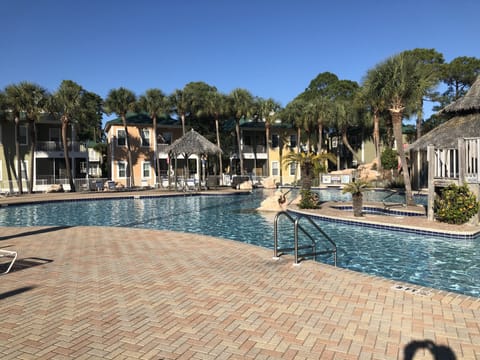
(356, 188)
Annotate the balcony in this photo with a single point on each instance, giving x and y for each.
(55, 146)
(252, 152)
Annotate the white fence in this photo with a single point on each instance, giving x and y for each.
(460, 164)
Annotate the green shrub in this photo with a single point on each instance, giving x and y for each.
(309, 200)
(456, 205)
(389, 159)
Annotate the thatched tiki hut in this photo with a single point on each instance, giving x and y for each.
(450, 152)
(192, 143)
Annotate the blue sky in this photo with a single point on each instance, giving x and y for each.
(273, 48)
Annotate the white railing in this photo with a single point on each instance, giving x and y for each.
(58, 146)
(446, 163)
(472, 156)
(457, 164)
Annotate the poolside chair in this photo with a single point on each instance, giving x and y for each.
(9, 254)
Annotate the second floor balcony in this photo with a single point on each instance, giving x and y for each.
(56, 146)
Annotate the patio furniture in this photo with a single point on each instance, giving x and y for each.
(8, 254)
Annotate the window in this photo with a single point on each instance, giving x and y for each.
(145, 134)
(275, 140)
(22, 137)
(83, 167)
(167, 138)
(121, 138)
(293, 168)
(275, 169)
(146, 170)
(121, 169)
(293, 141)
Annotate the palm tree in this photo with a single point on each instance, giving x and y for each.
(216, 105)
(179, 101)
(32, 99)
(356, 188)
(322, 109)
(242, 103)
(12, 102)
(429, 68)
(154, 102)
(66, 103)
(306, 161)
(268, 112)
(370, 95)
(400, 83)
(120, 101)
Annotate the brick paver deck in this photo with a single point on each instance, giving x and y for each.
(116, 293)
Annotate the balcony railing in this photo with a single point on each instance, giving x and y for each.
(259, 149)
(58, 146)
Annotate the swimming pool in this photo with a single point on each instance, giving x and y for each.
(446, 264)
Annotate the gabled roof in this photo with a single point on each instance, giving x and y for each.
(467, 104)
(138, 119)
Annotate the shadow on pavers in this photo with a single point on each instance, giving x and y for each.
(35, 232)
(25, 263)
(15, 292)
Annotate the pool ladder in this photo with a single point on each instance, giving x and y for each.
(296, 247)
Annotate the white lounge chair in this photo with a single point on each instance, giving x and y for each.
(9, 254)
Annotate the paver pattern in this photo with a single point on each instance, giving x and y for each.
(116, 293)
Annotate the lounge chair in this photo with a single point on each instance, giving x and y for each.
(9, 254)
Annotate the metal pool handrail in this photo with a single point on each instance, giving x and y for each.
(297, 226)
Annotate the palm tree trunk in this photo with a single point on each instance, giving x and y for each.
(182, 117)
(376, 139)
(129, 151)
(349, 147)
(66, 155)
(17, 154)
(217, 129)
(267, 136)
(33, 144)
(239, 143)
(397, 133)
(320, 137)
(155, 151)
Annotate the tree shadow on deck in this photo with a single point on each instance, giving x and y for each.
(34, 232)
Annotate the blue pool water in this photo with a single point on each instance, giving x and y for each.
(446, 264)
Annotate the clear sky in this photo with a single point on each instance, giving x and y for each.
(273, 48)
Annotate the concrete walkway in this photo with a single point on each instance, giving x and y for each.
(116, 293)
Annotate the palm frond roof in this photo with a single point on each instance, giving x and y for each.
(193, 143)
(466, 123)
(446, 135)
(468, 103)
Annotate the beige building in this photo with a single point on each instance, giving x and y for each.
(142, 145)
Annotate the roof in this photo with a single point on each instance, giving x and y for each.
(193, 143)
(138, 119)
(465, 124)
(469, 103)
(447, 134)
